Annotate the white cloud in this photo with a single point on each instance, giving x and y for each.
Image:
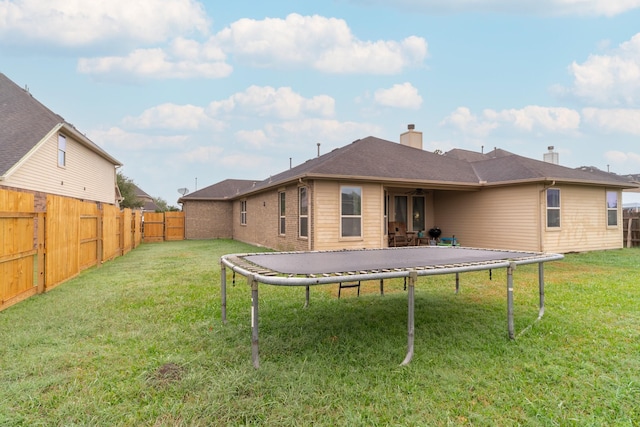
(320, 130)
(157, 63)
(115, 137)
(281, 103)
(613, 120)
(621, 160)
(201, 154)
(539, 7)
(533, 117)
(326, 44)
(399, 95)
(252, 138)
(465, 121)
(245, 162)
(77, 24)
(172, 116)
(302, 135)
(528, 119)
(612, 79)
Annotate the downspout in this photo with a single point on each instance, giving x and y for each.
(540, 213)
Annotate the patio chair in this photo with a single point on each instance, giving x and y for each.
(398, 234)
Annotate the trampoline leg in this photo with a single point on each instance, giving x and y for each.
(413, 276)
(223, 292)
(541, 287)
(306, 297)
(510, 324)
(254, 323)
(457, 282)
(382, 287)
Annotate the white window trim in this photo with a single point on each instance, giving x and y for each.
(343, 237)
(243, 212)
(616, 209)
(558, 208)
(282, 216)
(62, 149)
(300, 215)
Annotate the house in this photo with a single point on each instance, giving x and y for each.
(42, 153)
(347, 198)
(209, 212)
(149, 204)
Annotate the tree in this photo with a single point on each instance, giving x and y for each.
(162, 205)
(128, 191)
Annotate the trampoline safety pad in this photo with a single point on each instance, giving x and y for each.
(326, 267)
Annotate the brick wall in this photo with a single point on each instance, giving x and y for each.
(208, 219)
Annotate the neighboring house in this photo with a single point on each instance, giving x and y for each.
(149, 203)
(346, 198)
(42, 153)
(209, 212)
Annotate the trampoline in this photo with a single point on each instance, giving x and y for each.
(330, 267)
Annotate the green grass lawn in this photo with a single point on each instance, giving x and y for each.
(139, 342)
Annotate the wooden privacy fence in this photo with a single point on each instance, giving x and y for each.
(163, 226)
(40, 250)
(21, 256)
(631, 224)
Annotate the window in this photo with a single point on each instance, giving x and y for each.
(612, 208)
(351, 211)
(243, 212)
(281, 202)
(303, 212)
(553, 208)
(62, 150)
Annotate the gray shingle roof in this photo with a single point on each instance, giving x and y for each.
(19, 130)
(380, 160)
(24, 121)
(219, 191)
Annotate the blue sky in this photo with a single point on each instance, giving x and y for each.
(188, 93)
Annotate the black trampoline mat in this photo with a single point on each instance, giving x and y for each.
(305, 263)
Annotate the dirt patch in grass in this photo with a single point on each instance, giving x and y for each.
(167, 374)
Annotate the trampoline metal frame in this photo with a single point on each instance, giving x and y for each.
(256, 274)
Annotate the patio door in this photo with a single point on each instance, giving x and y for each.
(409, 210)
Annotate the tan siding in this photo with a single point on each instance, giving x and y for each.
(86, 175)
(491, 218)
(327, 217)
(583, 222)
(512, 217)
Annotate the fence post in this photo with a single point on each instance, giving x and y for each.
(40, 246)
(630, 219)
(121, 227)
(166, 226)
(99, 234)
